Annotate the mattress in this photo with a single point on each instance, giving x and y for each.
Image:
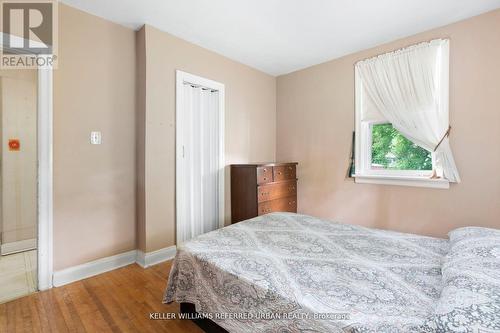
(286, 272)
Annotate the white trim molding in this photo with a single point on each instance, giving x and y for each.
(19, 246)
(103, 265)
(45, 179)
(152, 258)
(93, 268)
(403, 181)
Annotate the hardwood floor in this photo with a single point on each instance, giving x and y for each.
(117, 301)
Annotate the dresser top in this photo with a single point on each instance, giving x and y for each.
(266, 164)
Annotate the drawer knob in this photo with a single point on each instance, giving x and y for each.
(279, 172)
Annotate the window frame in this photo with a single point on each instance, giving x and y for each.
(366, 160)
(363, 155)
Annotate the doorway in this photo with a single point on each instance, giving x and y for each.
(199, 156)
(18, 183)
(44, 136)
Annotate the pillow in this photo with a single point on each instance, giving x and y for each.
(471, 233)
(470, 298)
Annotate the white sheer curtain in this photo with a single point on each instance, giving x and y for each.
(200, 191)
(409, 88)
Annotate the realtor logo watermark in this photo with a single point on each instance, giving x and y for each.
(29, 34)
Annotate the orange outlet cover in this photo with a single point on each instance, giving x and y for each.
(14, 145)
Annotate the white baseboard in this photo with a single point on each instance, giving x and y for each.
(107, 264)
(19, 246)
(152, 258)
(92, 268)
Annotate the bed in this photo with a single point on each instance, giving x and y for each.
(285, 272)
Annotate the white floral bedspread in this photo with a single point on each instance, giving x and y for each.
(295, 266)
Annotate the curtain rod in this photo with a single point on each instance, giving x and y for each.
(403, 49)
(198, 86)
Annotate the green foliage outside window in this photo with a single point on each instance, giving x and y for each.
(391, 150)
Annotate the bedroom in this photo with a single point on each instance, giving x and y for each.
(301, 109)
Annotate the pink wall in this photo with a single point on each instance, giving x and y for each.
(315, 120)
(250, 128)
(94, 185)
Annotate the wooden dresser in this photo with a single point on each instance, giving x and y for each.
(258, 189)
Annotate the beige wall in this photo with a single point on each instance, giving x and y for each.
(18, 108)
(94, 185)
(249, 123)
(315, 120)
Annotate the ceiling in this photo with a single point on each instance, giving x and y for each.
(281, 36)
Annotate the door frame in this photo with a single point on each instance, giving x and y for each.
(181, 78)
(45, 178)
(45, 170)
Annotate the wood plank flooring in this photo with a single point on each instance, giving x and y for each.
(117, 301)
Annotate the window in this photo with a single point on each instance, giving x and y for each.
(392, 151)
(407, 88)
(387, 157)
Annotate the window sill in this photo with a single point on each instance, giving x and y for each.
(402, 181)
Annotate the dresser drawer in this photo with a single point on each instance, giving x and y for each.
(279, 205)
(261, 188)
(284, 172)
(264, 175)
(276, 191)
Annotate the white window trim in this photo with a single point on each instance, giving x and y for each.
(364, 174)
(403, 181)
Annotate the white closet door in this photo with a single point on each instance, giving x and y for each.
(198, 211)
(210, 164)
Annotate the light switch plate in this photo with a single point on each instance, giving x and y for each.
(95, 138)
